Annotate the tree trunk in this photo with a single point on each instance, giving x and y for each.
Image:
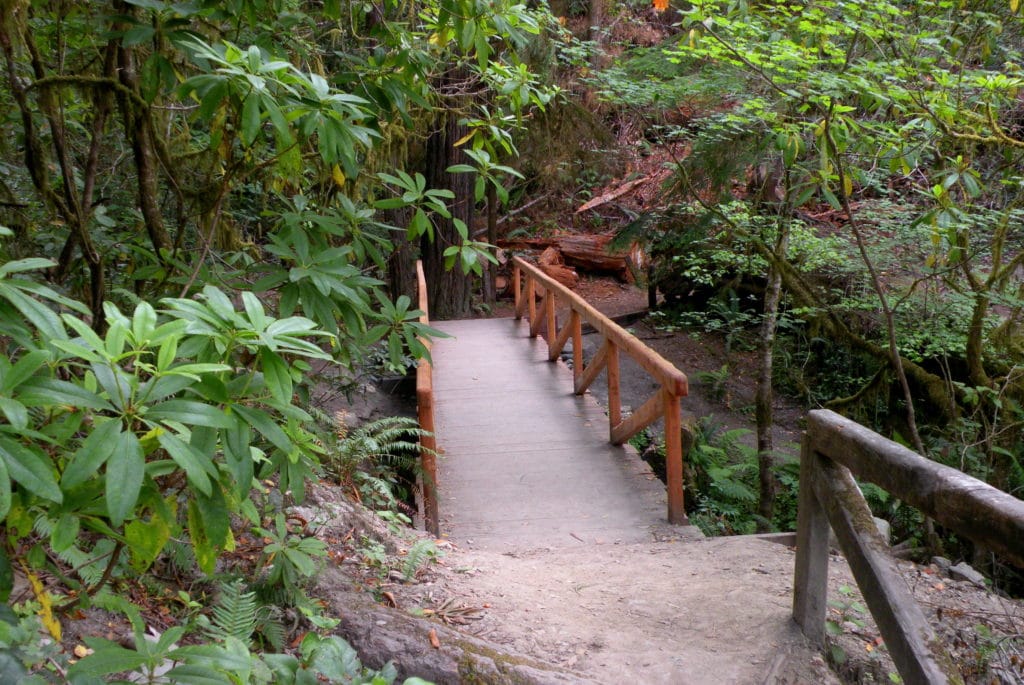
(402, 260)
(137, 128)
(449, 289)
(764, 395)
(491, 270)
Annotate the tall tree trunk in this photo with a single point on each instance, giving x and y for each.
(449, 290)
(491, 270)
(402, 260)
(138, 129)
(764, 396)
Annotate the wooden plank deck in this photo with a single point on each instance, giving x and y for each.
(525, 463)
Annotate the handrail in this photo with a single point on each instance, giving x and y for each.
(834, 447)
(664, 403)
(425, 411)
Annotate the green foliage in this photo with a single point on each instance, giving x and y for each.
(722, 479)
(290, 558)
(419, 555)
(235, 613)
(373, 456)
(228, 659)
(188, 396)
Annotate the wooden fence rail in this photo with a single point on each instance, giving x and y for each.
(425, 410)
(528, 282)
(833, 448)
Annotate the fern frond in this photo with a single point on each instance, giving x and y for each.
(271, 628)
(419, 554)
(234, 615)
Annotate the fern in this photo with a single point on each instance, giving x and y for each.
(271, 628)
(235, 613)
(371, 456)
(419, 554)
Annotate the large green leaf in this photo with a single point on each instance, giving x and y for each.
(196, 465)
(41, 316)
(5, 494)
(49, 392)
(65, 532)
(29, 264)
(238, 456)
(24, 369)
(92, 454)
(190, 413)
(265, 424)
(31, 470)
(146, 539)
(107, 657)
(15, 412)
(213, 512)
(126, 469)
(276, 376)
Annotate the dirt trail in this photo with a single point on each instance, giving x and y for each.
(712, 611)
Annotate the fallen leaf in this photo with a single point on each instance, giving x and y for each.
(434, 642)
(389, 599)
(81, 651)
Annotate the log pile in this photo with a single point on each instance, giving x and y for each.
(587, 253)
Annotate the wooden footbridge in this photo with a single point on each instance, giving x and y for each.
(529, 460)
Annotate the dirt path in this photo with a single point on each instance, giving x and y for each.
(713, 611)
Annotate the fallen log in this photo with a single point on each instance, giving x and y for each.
(588, 253)
(561, 273)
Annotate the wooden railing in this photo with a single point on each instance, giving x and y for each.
(528, 282)
(833, 448)
(425, 410)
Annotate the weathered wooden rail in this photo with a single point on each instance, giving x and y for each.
(528, 282)
(833, 448)
(425, 411)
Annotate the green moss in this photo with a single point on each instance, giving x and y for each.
(505, 665)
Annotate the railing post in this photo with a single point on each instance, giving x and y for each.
(810, 577)
(577, 345)
(516, 281)
(674, 458)
(425, 414)
(614, 395)
(428, 455)
(549, 317)
(531, 303)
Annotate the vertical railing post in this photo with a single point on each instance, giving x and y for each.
(614, 384)
(577, 345)
(810, 578)
(428, 452)
(531, 303)
(516, 283)
(549, 317)
(674, 458)
(425, 414)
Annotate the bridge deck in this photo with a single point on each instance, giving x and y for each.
(526, 463)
